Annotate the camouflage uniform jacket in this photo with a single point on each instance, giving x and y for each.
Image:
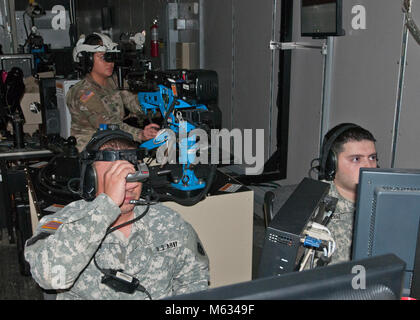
(163, 252)
(341, 226)
(90, 104)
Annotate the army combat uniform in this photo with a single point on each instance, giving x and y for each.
(163, 252)
(91, 105)
(341, 226)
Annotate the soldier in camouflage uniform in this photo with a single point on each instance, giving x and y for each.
(352, 149)
(341, 225)
(96, 99)
(161, 250)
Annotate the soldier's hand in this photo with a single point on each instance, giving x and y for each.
(149, 132)
(115, 180)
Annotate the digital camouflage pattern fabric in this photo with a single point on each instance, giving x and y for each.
(91, 105)
(163, 252)
(341, 226)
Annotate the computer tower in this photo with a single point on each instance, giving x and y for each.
(282, 248)
(62, 88)
(49, 110)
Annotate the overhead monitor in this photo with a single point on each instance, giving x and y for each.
(321, 18)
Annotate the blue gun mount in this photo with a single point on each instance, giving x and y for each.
(177, 117)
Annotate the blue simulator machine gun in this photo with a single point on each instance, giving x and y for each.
(186, 100)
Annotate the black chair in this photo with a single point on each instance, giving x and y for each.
(274, 200)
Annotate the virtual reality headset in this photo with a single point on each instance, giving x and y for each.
(131, 155)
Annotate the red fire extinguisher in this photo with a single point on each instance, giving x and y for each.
(154, 44)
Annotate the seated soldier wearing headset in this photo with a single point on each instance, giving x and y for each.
(106, 247)
(346, 148)
(96, 98)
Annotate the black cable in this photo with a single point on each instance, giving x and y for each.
(171, 108)
(143, 289)
(71, 188)
(43, 176)
(311, 170)
(24, 24)
(267, 185)
(112, 229)
(314, 168)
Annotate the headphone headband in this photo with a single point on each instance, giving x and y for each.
(103, 136)
(326, 149)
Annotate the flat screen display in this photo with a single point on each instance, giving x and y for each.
(321, 18)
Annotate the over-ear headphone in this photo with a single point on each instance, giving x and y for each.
(85, 58)
(328, 159)
(85, 64)
(88, 176)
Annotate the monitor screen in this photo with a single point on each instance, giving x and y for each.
(23, 61)
(321, 18)
(387, 216)
(381, 279)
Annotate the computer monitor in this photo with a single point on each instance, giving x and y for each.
(374, 278)
(25, 62)
(387, 218)
(321, 18)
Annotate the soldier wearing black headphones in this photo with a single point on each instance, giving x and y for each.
(96, 98)
(346, 148)
(106, 247)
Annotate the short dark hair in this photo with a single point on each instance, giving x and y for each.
(93, 39)
(119, 144)
(352, 134)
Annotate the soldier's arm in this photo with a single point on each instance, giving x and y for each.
(192, 272)
(64, 243)
(131, 102)
(135, 132)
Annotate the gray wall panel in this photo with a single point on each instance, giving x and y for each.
(218, 50)
(236, 41)
(408, 147)
(366, 71)
(253, 24)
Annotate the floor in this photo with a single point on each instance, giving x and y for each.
(15, 286)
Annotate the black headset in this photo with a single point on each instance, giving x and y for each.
(85, 64)
(328, 159)
(91, 153)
